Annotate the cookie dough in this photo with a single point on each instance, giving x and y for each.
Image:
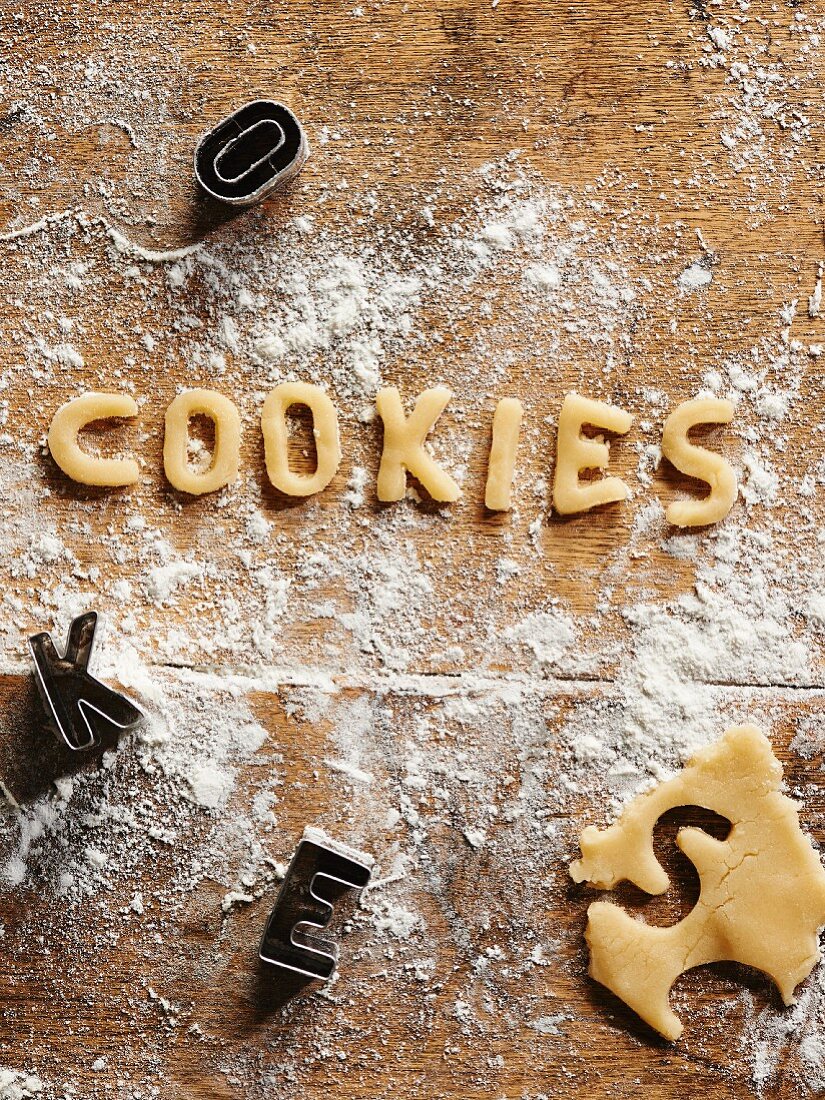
(226, 457)
(762, 897)
(506, 424)
(404, 445)
(575, 453)
(699, 463)
(324, 429)
(65, 449)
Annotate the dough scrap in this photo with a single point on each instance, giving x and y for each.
(506, 424)
(575, 453)
(68, 421)
(324, 429)
(762, 897)
(226, 456)
(699, 463)
(404, 445)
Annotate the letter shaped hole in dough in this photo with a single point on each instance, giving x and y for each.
(65, 449)
(762, 895)
(225, 459)
(699, 463)
(324, 429)
(575, 453)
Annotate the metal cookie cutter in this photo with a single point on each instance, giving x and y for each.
(74, 700)
(257, 148)
(320, 870)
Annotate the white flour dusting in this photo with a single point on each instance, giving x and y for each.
(457, 695)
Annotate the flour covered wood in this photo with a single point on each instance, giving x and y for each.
(511, 204)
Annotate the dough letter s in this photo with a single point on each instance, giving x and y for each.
(699, 463)
(65, 449)
(404, 445)
(324, 429)
(575, 453)
(226, 457)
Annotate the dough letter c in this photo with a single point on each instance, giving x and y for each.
(65, 449)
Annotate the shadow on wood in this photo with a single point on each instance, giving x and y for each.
(30, 756)
(274, 988)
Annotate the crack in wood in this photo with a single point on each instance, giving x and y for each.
(338, 679)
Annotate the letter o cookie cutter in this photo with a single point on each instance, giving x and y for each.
(251, 152)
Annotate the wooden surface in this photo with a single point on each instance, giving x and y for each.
(594, 96)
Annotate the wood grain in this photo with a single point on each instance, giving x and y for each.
(587, 91)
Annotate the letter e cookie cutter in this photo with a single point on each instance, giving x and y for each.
(75, 702)
(256, 149)
(319, 871)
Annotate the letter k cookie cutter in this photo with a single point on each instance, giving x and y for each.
(75, 702)
(319, 871)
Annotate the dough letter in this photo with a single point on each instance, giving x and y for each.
(699, 463)
(223, 413)
(404, 445)
(324, 428)
(506, 422)
(79, 466)
(575, 453)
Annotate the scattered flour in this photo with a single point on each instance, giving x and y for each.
(301, 664)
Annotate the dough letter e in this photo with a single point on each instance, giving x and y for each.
(65, 449)
(575, 453)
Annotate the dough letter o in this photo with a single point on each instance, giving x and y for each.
(226, 457)
(324, 429)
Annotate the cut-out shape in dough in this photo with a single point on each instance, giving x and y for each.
(506, 423)
(574, 453)
(762, 896)
(698, 462)
(226, 456)
(404, 445)
(324, 429)
(65, 449)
